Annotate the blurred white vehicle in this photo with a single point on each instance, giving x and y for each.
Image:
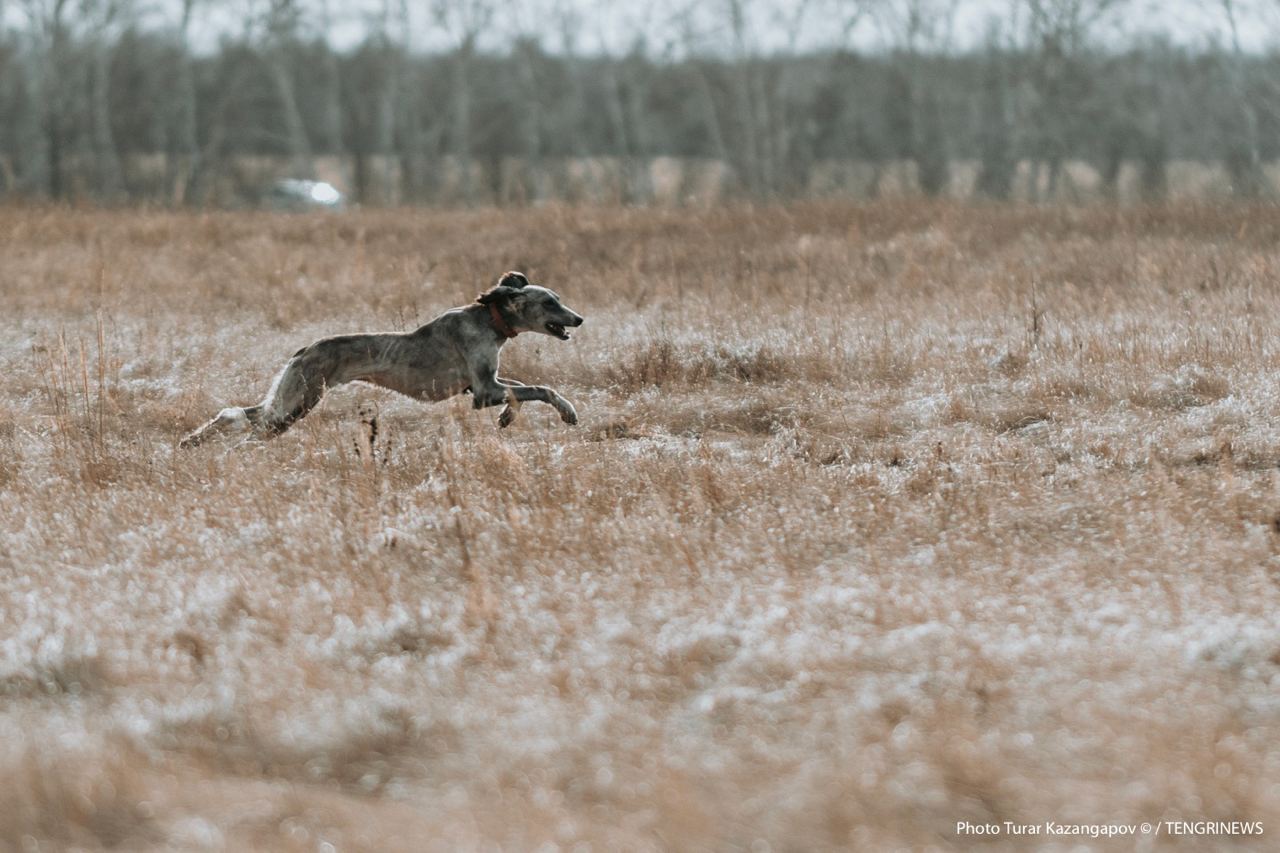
(295, 194)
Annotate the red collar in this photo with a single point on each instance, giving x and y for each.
(500, 324)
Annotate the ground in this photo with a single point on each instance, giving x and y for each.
(879, 519)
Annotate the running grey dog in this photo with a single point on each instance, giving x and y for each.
(456, 352)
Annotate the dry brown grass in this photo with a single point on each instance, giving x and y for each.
(879, 518)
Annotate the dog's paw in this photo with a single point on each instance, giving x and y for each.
(569, 415)
(507, 418)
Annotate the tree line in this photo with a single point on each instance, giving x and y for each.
(95, 104)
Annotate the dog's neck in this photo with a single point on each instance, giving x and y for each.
(499, 322)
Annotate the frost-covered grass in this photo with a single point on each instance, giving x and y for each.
(879, 518)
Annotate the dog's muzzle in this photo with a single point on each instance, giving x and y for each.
(558, 330)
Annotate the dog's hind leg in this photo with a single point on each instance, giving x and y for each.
(290, 398)
(299, 386)
(231, 419)
(295, 391)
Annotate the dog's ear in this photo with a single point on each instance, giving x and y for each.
(510, 285)
(498, 293)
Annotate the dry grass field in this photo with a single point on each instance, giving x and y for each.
(879, 518)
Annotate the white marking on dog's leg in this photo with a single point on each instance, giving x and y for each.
(232, 418)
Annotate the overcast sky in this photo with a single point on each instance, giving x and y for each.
(671, 26)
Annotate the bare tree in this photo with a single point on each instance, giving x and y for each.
(183, 164)
(390, 94)
(914, 28)
(746, 110)
(1243, 160)
(526, 50)
(998, 161)
(49, 36)
(105, 19)
(788, 157)
(567, 22)
(1058, 34)
(755, 129)
(1152, 140)
(281, 21)
(713, 118)
(330, 119)
(624, 85)
(21, 117)
(463, 21)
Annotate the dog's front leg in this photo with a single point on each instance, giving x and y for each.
(512, 409)
(523, 393)
(498, 393)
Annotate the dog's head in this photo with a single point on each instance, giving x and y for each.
(527, 307)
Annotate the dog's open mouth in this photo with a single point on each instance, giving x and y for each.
(558, 330)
